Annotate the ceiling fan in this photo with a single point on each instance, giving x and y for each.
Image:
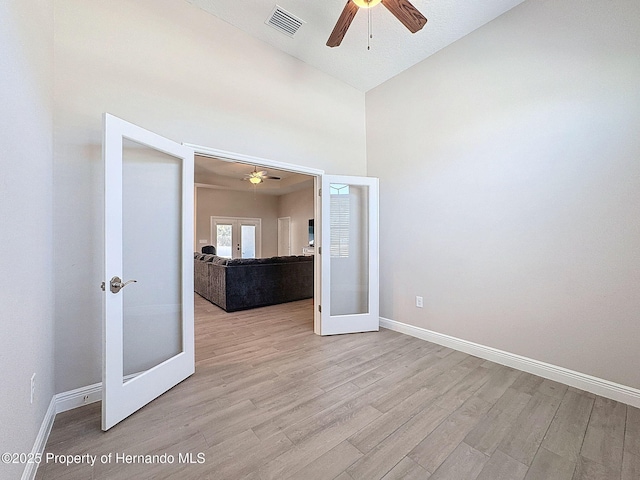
(257, 177)
(401, 9)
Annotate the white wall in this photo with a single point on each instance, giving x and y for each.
(226, 203)
(299, 206)
(510, 187)
(232, 203)
(26, 300)
(171, 68)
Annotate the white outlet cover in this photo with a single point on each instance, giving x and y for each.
(33, 386)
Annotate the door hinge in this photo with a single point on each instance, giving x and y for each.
(319, 192)
(102, 286)
(319, 250)
(320, 308)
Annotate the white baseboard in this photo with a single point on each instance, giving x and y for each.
(61, 403)
(598, 386)
(83, 395)
(30, 469)
(78, 397)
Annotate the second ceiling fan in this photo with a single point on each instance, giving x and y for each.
(401, 9)
(257, 177)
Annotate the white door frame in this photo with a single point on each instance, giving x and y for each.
(265, 162)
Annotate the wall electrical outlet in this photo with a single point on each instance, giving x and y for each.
(33, 386)
(419, 302)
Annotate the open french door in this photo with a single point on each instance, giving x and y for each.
(349, 255)
(148, 332)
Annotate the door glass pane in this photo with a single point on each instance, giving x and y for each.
(223, 240)
(248, 241)
(349, 249)
(151, 244)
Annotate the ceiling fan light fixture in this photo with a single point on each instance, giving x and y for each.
(255, 180)
(366, 3)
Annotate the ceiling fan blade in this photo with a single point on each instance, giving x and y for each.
(271, 177)
(406, 13)
(342, 25)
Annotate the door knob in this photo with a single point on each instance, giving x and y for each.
(116, 284)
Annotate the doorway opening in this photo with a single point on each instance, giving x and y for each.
(277, 210)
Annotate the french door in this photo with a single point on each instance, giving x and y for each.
(237, 237)
(148, 333)
(348, 255)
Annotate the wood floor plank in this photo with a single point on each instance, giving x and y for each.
(317, 444)
(370, 436)
(552, 389)
(380, 460)
(527, 383)
(513, 402)
(587, 469)
(502, 467)
(528, 431)
(500, 380)
(245, 461)
(632, 431)
(439, 444)
(567, 430)
(464, 389)
(490, 431)
(302, 411)
(407, 469)
(604, 439)
(630, 466)
(550, 466)
(464, 462)
(405, 383)
(330, 464)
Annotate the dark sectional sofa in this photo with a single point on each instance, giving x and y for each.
(243, 283)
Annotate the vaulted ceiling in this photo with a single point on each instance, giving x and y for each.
(392, 49)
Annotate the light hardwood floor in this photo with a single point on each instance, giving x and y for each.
(271, 400)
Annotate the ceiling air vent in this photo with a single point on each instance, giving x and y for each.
(284, 21)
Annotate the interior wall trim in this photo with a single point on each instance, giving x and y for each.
(30, 469)
(78, 397)
(63, 402)
(252, 160)
(83, 395)
(598, 386)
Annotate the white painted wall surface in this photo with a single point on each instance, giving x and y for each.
(26, 298)
(510, 187)
(175, 70)
(298, 206)
(212, 202)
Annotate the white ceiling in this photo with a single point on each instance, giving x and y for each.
(226, 175)
(393, 47)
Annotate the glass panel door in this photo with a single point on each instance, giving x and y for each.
(223, 239)
(248, 241)
(349, 255)
(237, 237)
(151, 231)
(148, 334)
